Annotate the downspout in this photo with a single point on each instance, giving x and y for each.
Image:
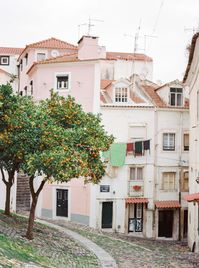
(180, 174)
(155, 165)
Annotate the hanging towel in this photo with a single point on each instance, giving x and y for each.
(130, 147)
(106, 155)
(138, 147)
(147, 145)
(117, 154)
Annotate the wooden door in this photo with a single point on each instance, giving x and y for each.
(165, 223)
(107, 214)
(62, 202)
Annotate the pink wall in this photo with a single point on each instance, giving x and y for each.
(47, 197)
(82, 82)
(24, 78)
(80, 197)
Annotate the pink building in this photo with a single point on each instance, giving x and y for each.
(78, 71)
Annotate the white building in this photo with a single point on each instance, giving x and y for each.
(191, 78)
(8, 65)
(144, 196)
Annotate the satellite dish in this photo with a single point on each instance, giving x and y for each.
(54, 53)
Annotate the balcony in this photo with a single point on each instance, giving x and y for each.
(136, 188)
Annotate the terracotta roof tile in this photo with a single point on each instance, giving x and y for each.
(10, 50)
(3, 71)
(64, 58)
(192, 197)
(191, 53)
(135, 98)
(127, 56)
(102, 99)
(105, 83)
(131, 200)
(167, 204)
(154, 96)
(52, 43)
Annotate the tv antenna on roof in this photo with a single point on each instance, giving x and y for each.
(89, 25)
(135, 37)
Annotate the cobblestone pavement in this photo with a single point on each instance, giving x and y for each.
(130, 252)
(49, 249)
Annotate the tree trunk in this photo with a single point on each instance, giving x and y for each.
(8, 185)
(29, 233)
(7, 201)
(35, 195)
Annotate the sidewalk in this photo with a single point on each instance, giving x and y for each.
(105, 259)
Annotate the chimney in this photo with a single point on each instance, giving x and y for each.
(89, 49)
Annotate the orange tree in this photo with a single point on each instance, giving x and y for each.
(69, 147)
(17, 135)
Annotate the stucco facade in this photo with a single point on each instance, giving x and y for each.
(191, 78)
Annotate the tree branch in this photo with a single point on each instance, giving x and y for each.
(3, 177)
(40, 187)
(31, 179)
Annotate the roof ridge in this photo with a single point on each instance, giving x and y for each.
(48, 39)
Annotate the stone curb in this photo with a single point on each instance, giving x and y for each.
(105, 259)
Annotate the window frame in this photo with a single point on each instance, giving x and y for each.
(2, 57)
(185, 147)
(176, 94)
(169, 148)
(136, 173)
(183, 188)
(120, 88)
(169, 189)
(62, 74)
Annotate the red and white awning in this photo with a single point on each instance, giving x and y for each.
(192, 197)
(167, 204)
(132, 200)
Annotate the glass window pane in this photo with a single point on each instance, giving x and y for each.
(132, 173)
(139, 173)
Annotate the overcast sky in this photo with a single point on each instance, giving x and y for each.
(26, 21)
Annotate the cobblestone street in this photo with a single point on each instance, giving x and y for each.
(132, 252)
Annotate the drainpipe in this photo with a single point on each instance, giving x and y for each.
(180, 174)
(155, 221)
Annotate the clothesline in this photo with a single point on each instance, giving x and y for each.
(118, 151)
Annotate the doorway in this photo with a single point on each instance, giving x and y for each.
(107, 214)
(135, 223)
(62, 203)
(165, 223)
(185, 229)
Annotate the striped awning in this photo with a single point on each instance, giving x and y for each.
(132, 200)
(192, 197)
(167, 204)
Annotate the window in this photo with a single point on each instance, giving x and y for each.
(4, 60)
(41, 56)
(185, 181)
(137, 133)
(26, 58)
(26, 91)
(168, 180)
(169, 141)
(121, 94)
(31, 87)
(186, 141)
(21, 65)
(136, 173)
(175, 96)
(62, 82)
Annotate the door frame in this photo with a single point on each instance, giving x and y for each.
(113, 216)
(54, 202)
(164, 237)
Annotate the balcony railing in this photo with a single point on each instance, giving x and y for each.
(136, 188)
